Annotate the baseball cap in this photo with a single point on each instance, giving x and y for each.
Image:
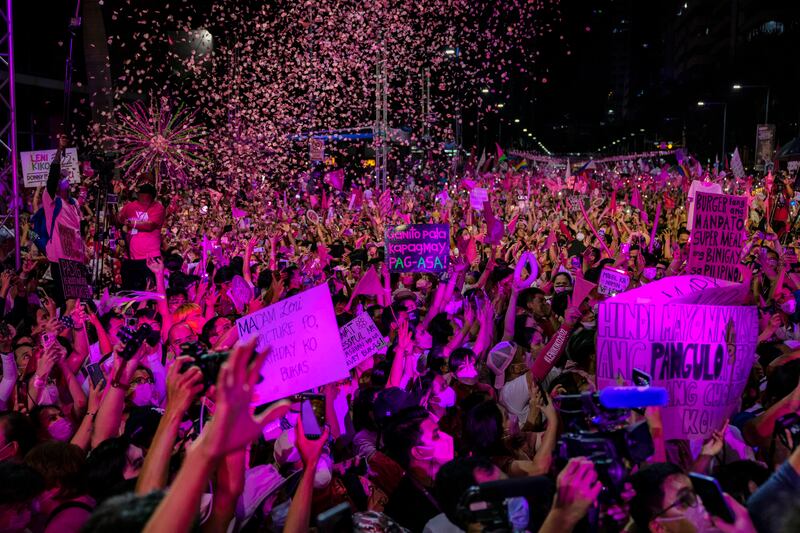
(499, 358)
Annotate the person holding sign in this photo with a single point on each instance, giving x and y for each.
(62, 216)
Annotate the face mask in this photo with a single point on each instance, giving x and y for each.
(694, 515)
(322, 475)
(560, 289)
(61, 429)
(143, 394)
(649, 273)
(589, 325)
(439, 452)
(789, 306)
(447, 398)
(518, 513)
(467, 374)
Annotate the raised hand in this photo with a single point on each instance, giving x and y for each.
(183, 385)
(234, 426)
(577, 489)
(156, 265)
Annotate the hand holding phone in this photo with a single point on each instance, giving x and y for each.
(312, 412)
(96, 374)
(713, 498)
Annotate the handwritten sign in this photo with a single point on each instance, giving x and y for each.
(360, 340)
(304, 339)
(702, 355)
(418, 247)
(717, 235)
(74, 279)
(316, 149)
(36, 166)
(477, 197)
(612, 281)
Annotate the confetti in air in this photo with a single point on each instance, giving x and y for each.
(261, 74)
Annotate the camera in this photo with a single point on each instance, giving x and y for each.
(487, 504)
(209, 363)
(133, 338)
(603, 436)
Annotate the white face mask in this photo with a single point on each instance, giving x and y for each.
(589, 325)
(789, 306)
(143, 394)
(61, 429)
(694, 515)
(447, 398)
(560, 289)
(649, 273)
(467, 374)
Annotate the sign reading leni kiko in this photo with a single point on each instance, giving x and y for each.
(702, 355)
(418, 247)
(717, 235)
(303, 338)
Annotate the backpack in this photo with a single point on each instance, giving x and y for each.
(39, 222)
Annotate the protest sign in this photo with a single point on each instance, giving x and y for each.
(702, 355)
(418, 247)
(676, 288)
(303, 336)
(612, 281)
(316, 149)
(717, 235)
(36, 166)
(74, 279)
(360, 340)
(477, 197)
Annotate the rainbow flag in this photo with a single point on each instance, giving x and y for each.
(521, 165)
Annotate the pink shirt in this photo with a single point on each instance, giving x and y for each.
(65, 240)
(143, 244)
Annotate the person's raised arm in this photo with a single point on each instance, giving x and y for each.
(83, 435)
(232, 427)
(577, 488)
(54, 174)
(247, 273)
(511, 313)
(297, 521)
(182, 388)
(758, 431)
(109, 414)
(156, 266)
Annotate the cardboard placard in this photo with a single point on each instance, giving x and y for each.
(418, 247)
(36, 166)
(702, 355)
(316, 149)
(74, 279)
(612, 281)
(718, 235)
(306, 351)
(477, 197)
(360, 340)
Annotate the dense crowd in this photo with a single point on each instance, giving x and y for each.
(95, 438)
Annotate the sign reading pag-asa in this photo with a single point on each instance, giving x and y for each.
(418, 247)
(717, 235)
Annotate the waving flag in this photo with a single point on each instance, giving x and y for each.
(335, 179)
(500, 155)
(736, 164)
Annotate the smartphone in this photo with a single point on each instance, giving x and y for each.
(48, 339)
(312, 412)
(640, 378)
(710, 492)
(258, 250)
(626, 248)
(95, 374)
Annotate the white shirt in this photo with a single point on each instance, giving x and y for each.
(440, 524)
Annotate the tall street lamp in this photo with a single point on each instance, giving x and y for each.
(724, 105)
